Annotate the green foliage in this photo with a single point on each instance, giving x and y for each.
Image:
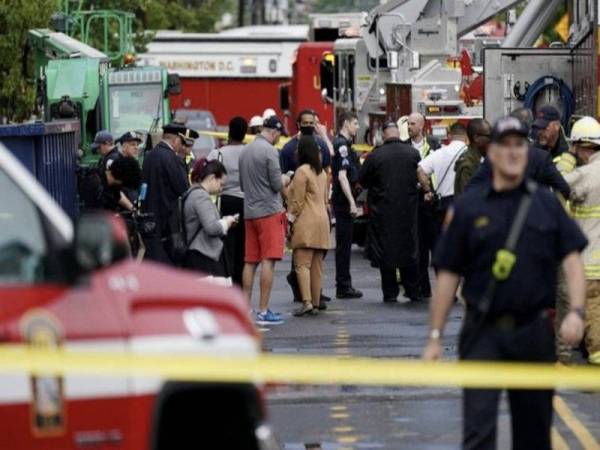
(17, 95)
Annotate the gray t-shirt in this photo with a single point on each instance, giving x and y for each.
(260, 179)
(229, 155)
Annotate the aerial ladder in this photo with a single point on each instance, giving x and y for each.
(399, 62)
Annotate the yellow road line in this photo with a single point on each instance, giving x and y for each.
(558, 442)
(338, 408)
(583, 435)
(347, 439)
(343, 430)
(339, 416)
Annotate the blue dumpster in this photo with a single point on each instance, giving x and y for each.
(49, 151)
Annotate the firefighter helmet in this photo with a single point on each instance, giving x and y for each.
(586, 130)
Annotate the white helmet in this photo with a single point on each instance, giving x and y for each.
(269, 112)
(403, 127)
(256, 121)
(586, 129)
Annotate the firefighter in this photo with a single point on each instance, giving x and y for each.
(344, 168)
(585, 207)
(164, 173)
(507, 239)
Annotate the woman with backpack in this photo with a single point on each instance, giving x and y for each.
(307, 211)
(203, 225)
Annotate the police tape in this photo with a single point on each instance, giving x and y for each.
(288, 369)
(249, 138)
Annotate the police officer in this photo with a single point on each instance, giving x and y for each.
(507, 240)
(344, 167)
(164, 173)
(129, 144)
(104, 145)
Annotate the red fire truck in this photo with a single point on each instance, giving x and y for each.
(76, 289)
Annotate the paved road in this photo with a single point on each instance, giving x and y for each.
(346, 417)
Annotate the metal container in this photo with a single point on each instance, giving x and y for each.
(49, 151)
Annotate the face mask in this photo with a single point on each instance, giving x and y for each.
(307, 131)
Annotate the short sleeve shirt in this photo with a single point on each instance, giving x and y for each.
(477, 227)
(344, 158)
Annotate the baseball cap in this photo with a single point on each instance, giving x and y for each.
(544, 116)
(274, 123)
(102, 137)
(128, 137)
(509, 126)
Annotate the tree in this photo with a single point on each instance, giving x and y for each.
(17, 94)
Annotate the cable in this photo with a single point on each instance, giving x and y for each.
(566, 95)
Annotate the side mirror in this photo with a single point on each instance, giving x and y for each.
(100, 240)
(173, 84)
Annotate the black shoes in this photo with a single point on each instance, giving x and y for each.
(390, 300)
(325, 298)
(348, 293)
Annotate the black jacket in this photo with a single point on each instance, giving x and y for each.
(540, 168)
(390, 175)
(167, 180)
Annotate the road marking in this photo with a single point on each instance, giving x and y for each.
(347, 439)
(343, 430)
(558, 442)
(341, 335)
(338, 408)
(339, 416)
(583, 435)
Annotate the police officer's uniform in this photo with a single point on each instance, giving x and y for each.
(344, 158)
(516, 326)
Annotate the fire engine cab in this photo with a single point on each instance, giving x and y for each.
(76, 288)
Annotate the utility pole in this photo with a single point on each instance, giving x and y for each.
(241, 12)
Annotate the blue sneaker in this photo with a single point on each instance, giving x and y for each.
(268, 318)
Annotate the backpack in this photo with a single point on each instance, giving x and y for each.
(178, 239)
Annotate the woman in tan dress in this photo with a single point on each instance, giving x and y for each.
(307, 211)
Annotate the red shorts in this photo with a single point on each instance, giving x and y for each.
(265, 238)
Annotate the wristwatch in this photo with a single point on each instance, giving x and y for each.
(435, 334)
(580, 312)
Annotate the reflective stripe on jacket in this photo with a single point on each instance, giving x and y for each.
(585, 206)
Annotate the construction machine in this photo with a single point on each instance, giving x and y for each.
(103, 90)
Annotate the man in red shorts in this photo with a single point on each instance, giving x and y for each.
(265, 222)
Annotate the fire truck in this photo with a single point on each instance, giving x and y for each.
(235, 72)
(405, 60)
(244, 71)
(75, 288)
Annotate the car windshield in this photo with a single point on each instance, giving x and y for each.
(23, 247)
(134, 107)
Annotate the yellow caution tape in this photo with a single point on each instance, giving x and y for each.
(299, 369)
(249, 138)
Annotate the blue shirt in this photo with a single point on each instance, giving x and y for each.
(477, 227)
(288, 157)
(344, 158)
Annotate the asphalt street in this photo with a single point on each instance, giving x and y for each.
(348, 417)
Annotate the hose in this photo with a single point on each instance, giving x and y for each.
(566, 96)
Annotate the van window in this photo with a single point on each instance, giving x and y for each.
(23, 246)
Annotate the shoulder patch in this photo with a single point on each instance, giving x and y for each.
(482, 222)
(343, 151)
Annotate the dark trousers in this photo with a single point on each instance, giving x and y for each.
(343, 248)
(156, 250)
(426, 234)
(390, 286)
(196, 261)
(531, 410)
(234, 241)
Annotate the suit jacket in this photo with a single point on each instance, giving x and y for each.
(203, 220)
